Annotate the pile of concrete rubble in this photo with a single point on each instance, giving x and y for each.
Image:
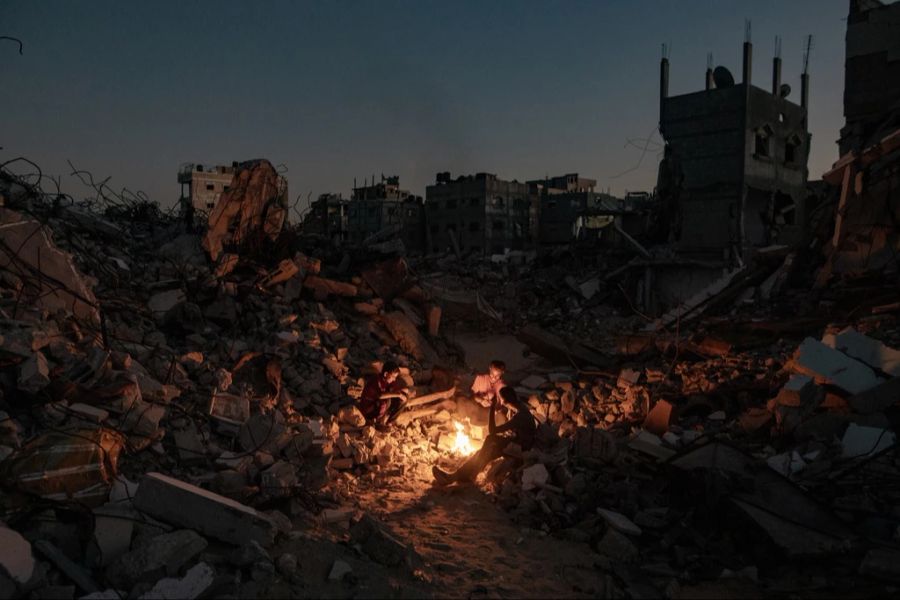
(176, 406)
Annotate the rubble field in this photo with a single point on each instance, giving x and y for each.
(179, 417)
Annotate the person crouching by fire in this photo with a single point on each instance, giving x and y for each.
(487, 386)
(383, 396)
(520, 429)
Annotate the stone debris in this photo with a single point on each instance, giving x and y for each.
(181, 503)
(211, 414)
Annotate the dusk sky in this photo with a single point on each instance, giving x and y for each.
(337, 90)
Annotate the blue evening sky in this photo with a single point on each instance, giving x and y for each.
(342, 89)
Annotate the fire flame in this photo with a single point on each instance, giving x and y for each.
(462, 444)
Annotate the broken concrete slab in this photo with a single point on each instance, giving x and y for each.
(859, 441)
(163, 555)
(173, 501)
(339, 570)
(162, 302)
(377, 543)
(555, 348)
(408, 337)
(53, 280)
(113, 528)
(800, 390)
(619, 522)
(196, 581)
(534, 476)
(827, 365)
(251, 210)
(863, 348)
(16, 559)
(34, 373)
(617, 547)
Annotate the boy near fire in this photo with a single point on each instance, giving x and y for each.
(520, 429)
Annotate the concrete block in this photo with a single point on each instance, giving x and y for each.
(619, 522)
(339, 570)
(113, 527)
(860, 441)
(180, 503)
(865, 349)
(798, 391)
(193, 585)
(534, 477)
(827, 365)
(34, 373)
(15, 556)
(162, 302)
(162, 555)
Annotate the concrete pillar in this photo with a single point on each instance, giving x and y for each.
(748, 63)
(776, 75)
(663, 84)
(804, 90)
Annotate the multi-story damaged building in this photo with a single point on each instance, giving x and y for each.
(205, 185)
(866, 178)
(384, 210)
(327, 217)
(734, 172)
(479, 214)
(871, 71)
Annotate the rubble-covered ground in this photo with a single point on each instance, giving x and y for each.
(179, 418)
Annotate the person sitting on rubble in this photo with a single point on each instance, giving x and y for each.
(520, 429)
(487, 386)
(383, 395)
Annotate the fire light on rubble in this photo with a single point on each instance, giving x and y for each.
(462, 444)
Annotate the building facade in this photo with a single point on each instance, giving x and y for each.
(734, 173)
(203, 186)
(327, 217)
(383, 209)
(479, 214)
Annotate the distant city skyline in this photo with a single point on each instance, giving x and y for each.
(337, 91)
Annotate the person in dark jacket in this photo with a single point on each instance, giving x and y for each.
(520, 429)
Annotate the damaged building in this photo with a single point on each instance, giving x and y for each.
(202, 186)
(479, 214)
(735, 154)
(383, 210)
(867, 176)
(571, 211)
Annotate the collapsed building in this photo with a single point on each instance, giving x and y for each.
(377, 212)
(479, 214)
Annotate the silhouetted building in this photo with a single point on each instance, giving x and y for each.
(384, 210)
(734, 175)
(479, 214)
(871, 70)
(327, 217)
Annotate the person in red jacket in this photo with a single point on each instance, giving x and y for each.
(383, 395)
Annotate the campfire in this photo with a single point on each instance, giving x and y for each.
(462, 444)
